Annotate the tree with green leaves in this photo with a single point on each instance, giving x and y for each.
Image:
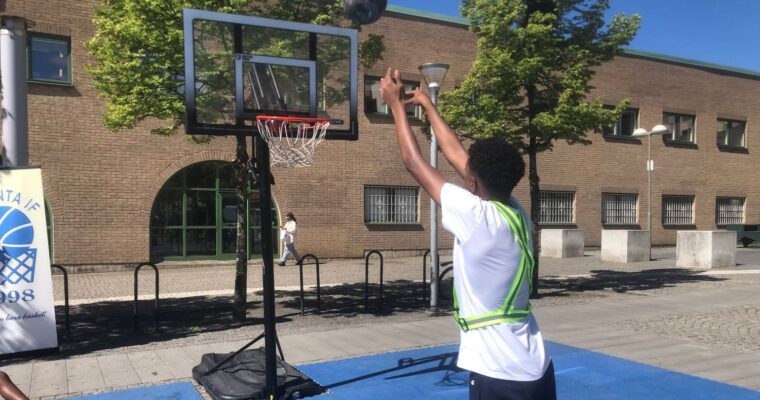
(139, 72)
(530, 81)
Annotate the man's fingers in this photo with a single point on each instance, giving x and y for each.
(397, 76)
(387, 74)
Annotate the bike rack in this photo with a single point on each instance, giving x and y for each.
(65, 296)
(424, 276)
(366, 278)
(319, 298)
(136, 314)
(445, 267)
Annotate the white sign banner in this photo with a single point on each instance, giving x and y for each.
(27, 316)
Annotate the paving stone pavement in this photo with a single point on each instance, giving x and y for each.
(218, 279)
(704, 323)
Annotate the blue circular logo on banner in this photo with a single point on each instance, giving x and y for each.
(17, 258)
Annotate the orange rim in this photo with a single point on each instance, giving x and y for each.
(278, 118)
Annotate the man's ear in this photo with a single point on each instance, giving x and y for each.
(472, 184)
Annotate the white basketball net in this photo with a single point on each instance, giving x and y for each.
(292, 143)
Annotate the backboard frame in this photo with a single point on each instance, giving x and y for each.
(192, 127)
(241, 59)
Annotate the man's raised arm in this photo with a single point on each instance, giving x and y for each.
(450, 145)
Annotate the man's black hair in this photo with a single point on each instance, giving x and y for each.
(498, 166)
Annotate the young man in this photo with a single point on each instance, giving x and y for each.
(501, 344)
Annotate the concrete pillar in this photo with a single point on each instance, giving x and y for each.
(562, 243)
(706, 249)
(625, 246)
(13, 71)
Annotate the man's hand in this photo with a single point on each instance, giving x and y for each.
(392, 89)
(417, 97)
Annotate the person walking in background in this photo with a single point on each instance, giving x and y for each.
(288, 237)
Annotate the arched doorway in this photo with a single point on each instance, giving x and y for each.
(193, 216)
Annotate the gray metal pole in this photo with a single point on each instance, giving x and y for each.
(650, 166)
(13, 78)
(434, 265)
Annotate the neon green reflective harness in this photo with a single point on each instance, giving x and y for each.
(516, 306)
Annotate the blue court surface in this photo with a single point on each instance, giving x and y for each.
(431, 373)
(171, 391)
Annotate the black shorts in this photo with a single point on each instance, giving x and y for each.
(485, 388)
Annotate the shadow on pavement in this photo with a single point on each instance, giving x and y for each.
(621, 282)
(109, 325)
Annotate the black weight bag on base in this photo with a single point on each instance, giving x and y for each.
(244, 377)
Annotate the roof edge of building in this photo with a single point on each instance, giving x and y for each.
(461, 21)
(719, 68)
(413, 12)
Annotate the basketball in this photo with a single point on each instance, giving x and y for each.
(364, 12)
(16, 230)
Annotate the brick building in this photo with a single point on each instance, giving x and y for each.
(132, 196)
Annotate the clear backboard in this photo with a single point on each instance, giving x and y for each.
(239, 67)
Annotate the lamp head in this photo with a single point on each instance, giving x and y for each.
(659, 129)
(433, 73)
(640, 132)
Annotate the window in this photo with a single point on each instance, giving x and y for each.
(628, 122)
(556, 207)
(680, 127)
(731, 133)
(677, 210)
(194, 215)
(391, 205)
(373, 101)
(619, 208)
(49, 58)
(729, 210)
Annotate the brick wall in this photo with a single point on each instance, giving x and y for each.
(703, 170)
(101, 186)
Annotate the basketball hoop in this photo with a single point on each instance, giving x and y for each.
(292, 140)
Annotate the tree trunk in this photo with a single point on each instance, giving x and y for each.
(535, 209)
(535, 192)
(241, 258)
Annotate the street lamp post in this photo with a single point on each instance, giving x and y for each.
(657, 130)
(433, 74)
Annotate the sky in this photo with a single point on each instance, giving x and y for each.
(725, 32)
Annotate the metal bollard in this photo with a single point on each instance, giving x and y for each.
(300, 267)
(65, 296)
(366, 278)
(136, 315)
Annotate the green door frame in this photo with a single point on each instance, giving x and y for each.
(219, 226)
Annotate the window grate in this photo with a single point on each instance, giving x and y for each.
(556, 207)
(391, 205)
(619, 208)
(729, 210)
(677, 210)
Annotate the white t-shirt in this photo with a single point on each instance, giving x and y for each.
(486, 258)
(288, 235)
